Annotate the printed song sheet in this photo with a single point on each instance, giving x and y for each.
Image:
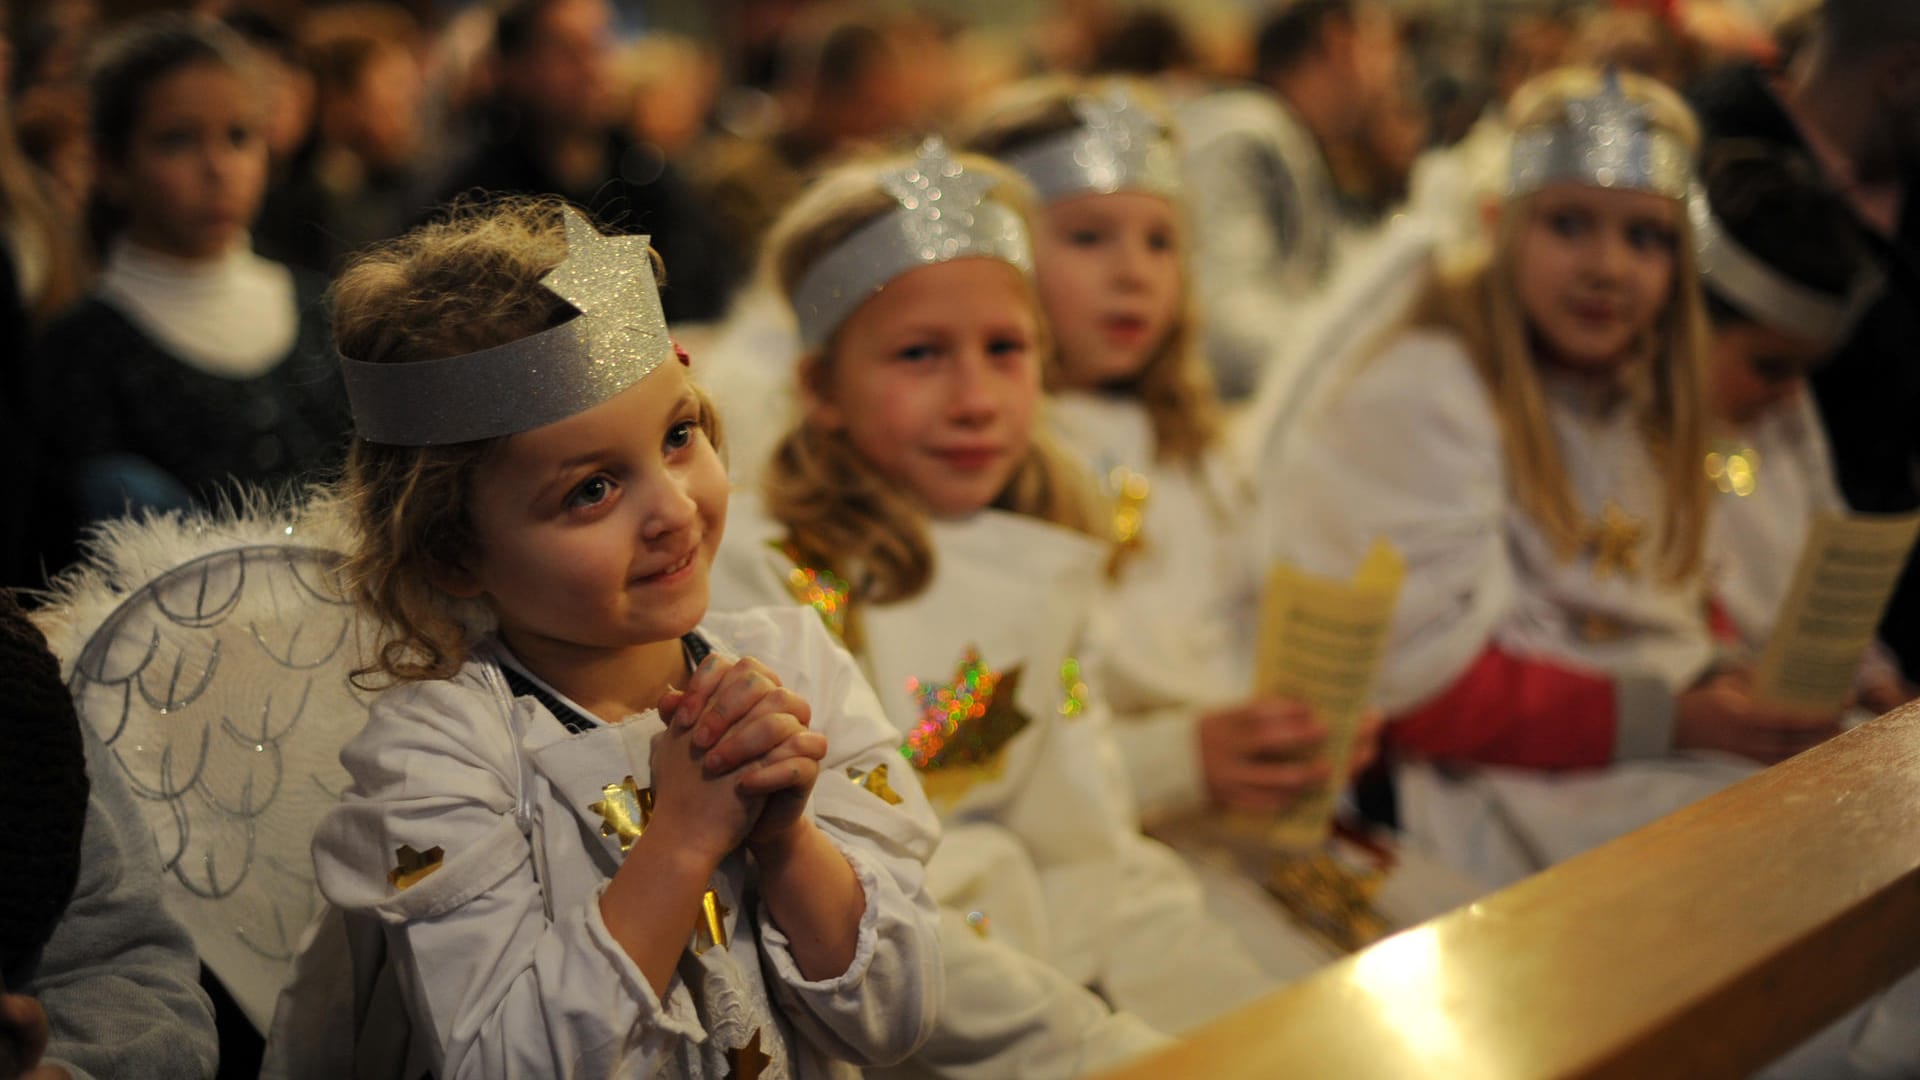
(1846, 575)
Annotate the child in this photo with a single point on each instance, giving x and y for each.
(917, 509)
(1135, 404)
(195, 362)
(1530, 444)
(1785, 280)
(612, 836)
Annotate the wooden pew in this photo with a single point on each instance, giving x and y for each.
(1705, 945)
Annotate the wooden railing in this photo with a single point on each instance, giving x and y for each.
(1705, 945)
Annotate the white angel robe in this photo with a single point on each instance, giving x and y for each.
(501, 954)
(1039, 836)
(1588, 653)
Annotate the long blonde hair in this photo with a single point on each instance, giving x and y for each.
(1175, 386)
(1481, 304)
(842, 515)
(445, 289)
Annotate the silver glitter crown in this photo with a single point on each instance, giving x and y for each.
(942, 213)
(1606, 141)
(1765, 295)
(1117, 147)
(618, 338)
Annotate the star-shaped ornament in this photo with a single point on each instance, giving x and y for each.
(625, 809)
(938, 197)
(610, 280)
(965, 722)
(711, 930)
(1122, 141)
(875, 781)
(749, 1061)
(410, 865)
(1614, 542)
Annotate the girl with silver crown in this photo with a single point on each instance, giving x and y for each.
(1529, 436)
(920, 510)
(1134, 403)
(598, 830)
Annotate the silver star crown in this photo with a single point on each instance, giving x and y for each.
(1607, 140)
(942, 213)
(1117, 147)
(619, 338)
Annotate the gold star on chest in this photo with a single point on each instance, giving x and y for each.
(711, 930)
(875, 781)
(410, 865)
(625, 809)
(966, 722)
(1614, 543)
(749, 1061)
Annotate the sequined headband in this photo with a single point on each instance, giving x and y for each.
(618, 338)
(1744, 280)
(943, 214)
(1605, 141)
(1117, 147)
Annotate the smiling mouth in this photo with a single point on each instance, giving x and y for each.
(969, 460)
(667, 572)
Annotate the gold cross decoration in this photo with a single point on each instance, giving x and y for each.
(410, 865)
(749, 1061)
(712, 927)
(1614, 542)
(875, 781)
(625, 809)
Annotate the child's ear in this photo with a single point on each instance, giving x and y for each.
(815, 402)
(456, 581)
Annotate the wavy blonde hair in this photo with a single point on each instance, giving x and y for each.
(1175, 386)
(1481, 304)
(457, 286)
(840, 512)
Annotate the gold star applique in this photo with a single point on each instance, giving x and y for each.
(410, 865)
(749, 1061)
(1614, 542)
(967, 721)
(822, 590)
(625, 809)
(875, 781)
(711, 930)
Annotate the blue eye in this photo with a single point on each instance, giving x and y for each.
(680, 436)
(592, 492)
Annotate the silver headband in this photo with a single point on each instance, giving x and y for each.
(943, 214)
(1763, 294)
(618, 338)
(1605, 141)
(1117, 147)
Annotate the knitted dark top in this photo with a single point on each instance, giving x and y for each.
(43, 792)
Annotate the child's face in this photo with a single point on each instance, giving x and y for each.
(1756, 368)
(599, 530)
(1109, 276)
(1595, 270)
(196, 164)
(935, 379)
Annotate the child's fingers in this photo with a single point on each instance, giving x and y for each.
(798, 771)
(739, 690)
(700, 686)
(756, 734)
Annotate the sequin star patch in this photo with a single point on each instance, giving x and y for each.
(965, 722)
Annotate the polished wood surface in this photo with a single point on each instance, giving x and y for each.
(1704, 945)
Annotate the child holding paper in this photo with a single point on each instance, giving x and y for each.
(1785, 280)
(1531, 441)
(918, 509)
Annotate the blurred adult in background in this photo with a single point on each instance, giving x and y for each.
(1631, 40)
(286, 228)
(1851, 110)
(554, 129)
(1263, 198)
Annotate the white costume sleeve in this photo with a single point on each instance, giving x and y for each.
(501, 987)
(1407, 448)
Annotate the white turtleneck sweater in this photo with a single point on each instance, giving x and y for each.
(234, 316)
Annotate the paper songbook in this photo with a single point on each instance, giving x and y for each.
(1846, 575)
(1320, 644)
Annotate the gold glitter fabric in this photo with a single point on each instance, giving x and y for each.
(824, 591)
(1327, 896)
(967, 721)
(619, 337)
(625, 809)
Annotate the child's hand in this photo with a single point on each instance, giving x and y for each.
(23, 1040)
(701, 808)
(735, 710)
(1722, 714)
(1261, 756)
(784, 777)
